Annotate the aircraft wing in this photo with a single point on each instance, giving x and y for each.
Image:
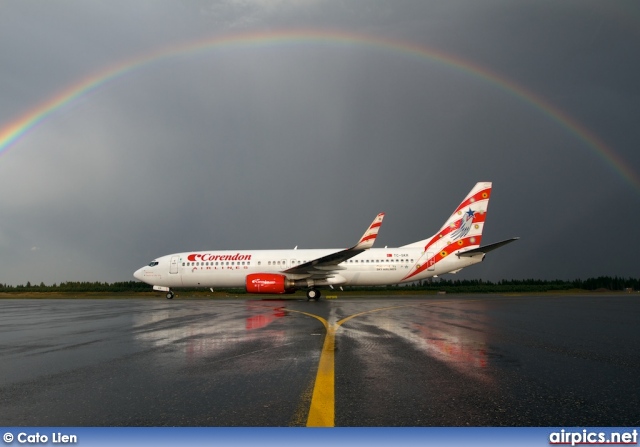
(487, 248)
(323, 267)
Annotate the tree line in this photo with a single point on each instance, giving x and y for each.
(524, 285)
(80, 287)
(435, 285)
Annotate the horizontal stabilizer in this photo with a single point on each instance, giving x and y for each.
(487, 248)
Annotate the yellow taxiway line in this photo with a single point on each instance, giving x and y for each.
(322, 409)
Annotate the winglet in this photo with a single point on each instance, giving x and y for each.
(369, 236)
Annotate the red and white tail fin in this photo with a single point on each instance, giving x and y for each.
(369, 236)
(463, 230)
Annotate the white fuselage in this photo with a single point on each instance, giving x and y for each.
(215, 268)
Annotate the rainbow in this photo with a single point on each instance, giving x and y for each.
(12, 132)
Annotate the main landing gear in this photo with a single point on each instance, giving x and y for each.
(313, 294)
(169, 295)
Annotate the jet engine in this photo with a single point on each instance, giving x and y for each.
(268, 283)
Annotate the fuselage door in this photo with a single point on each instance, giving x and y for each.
(173, 264)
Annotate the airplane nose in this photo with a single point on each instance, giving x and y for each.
(138, 274)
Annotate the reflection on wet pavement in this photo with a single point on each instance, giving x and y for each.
(539, 360)
(207, 334)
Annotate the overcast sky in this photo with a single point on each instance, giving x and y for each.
(273, 144)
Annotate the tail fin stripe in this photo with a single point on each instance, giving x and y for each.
(485, 194)
(444, 252)
(479, 218)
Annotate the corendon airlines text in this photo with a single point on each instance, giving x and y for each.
(212, 257)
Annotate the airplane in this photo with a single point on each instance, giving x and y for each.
(455, 246)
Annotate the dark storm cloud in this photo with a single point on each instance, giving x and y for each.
(272, 146)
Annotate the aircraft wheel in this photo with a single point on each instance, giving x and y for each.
(313, 294)
(169, 295)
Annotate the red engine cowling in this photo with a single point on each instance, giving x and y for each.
(268, 283)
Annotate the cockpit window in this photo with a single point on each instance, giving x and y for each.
(153, 263)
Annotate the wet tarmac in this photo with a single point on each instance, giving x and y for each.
(398, 361)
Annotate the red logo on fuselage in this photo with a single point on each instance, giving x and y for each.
(213, 257)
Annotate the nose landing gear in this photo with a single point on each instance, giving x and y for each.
(169, 292)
